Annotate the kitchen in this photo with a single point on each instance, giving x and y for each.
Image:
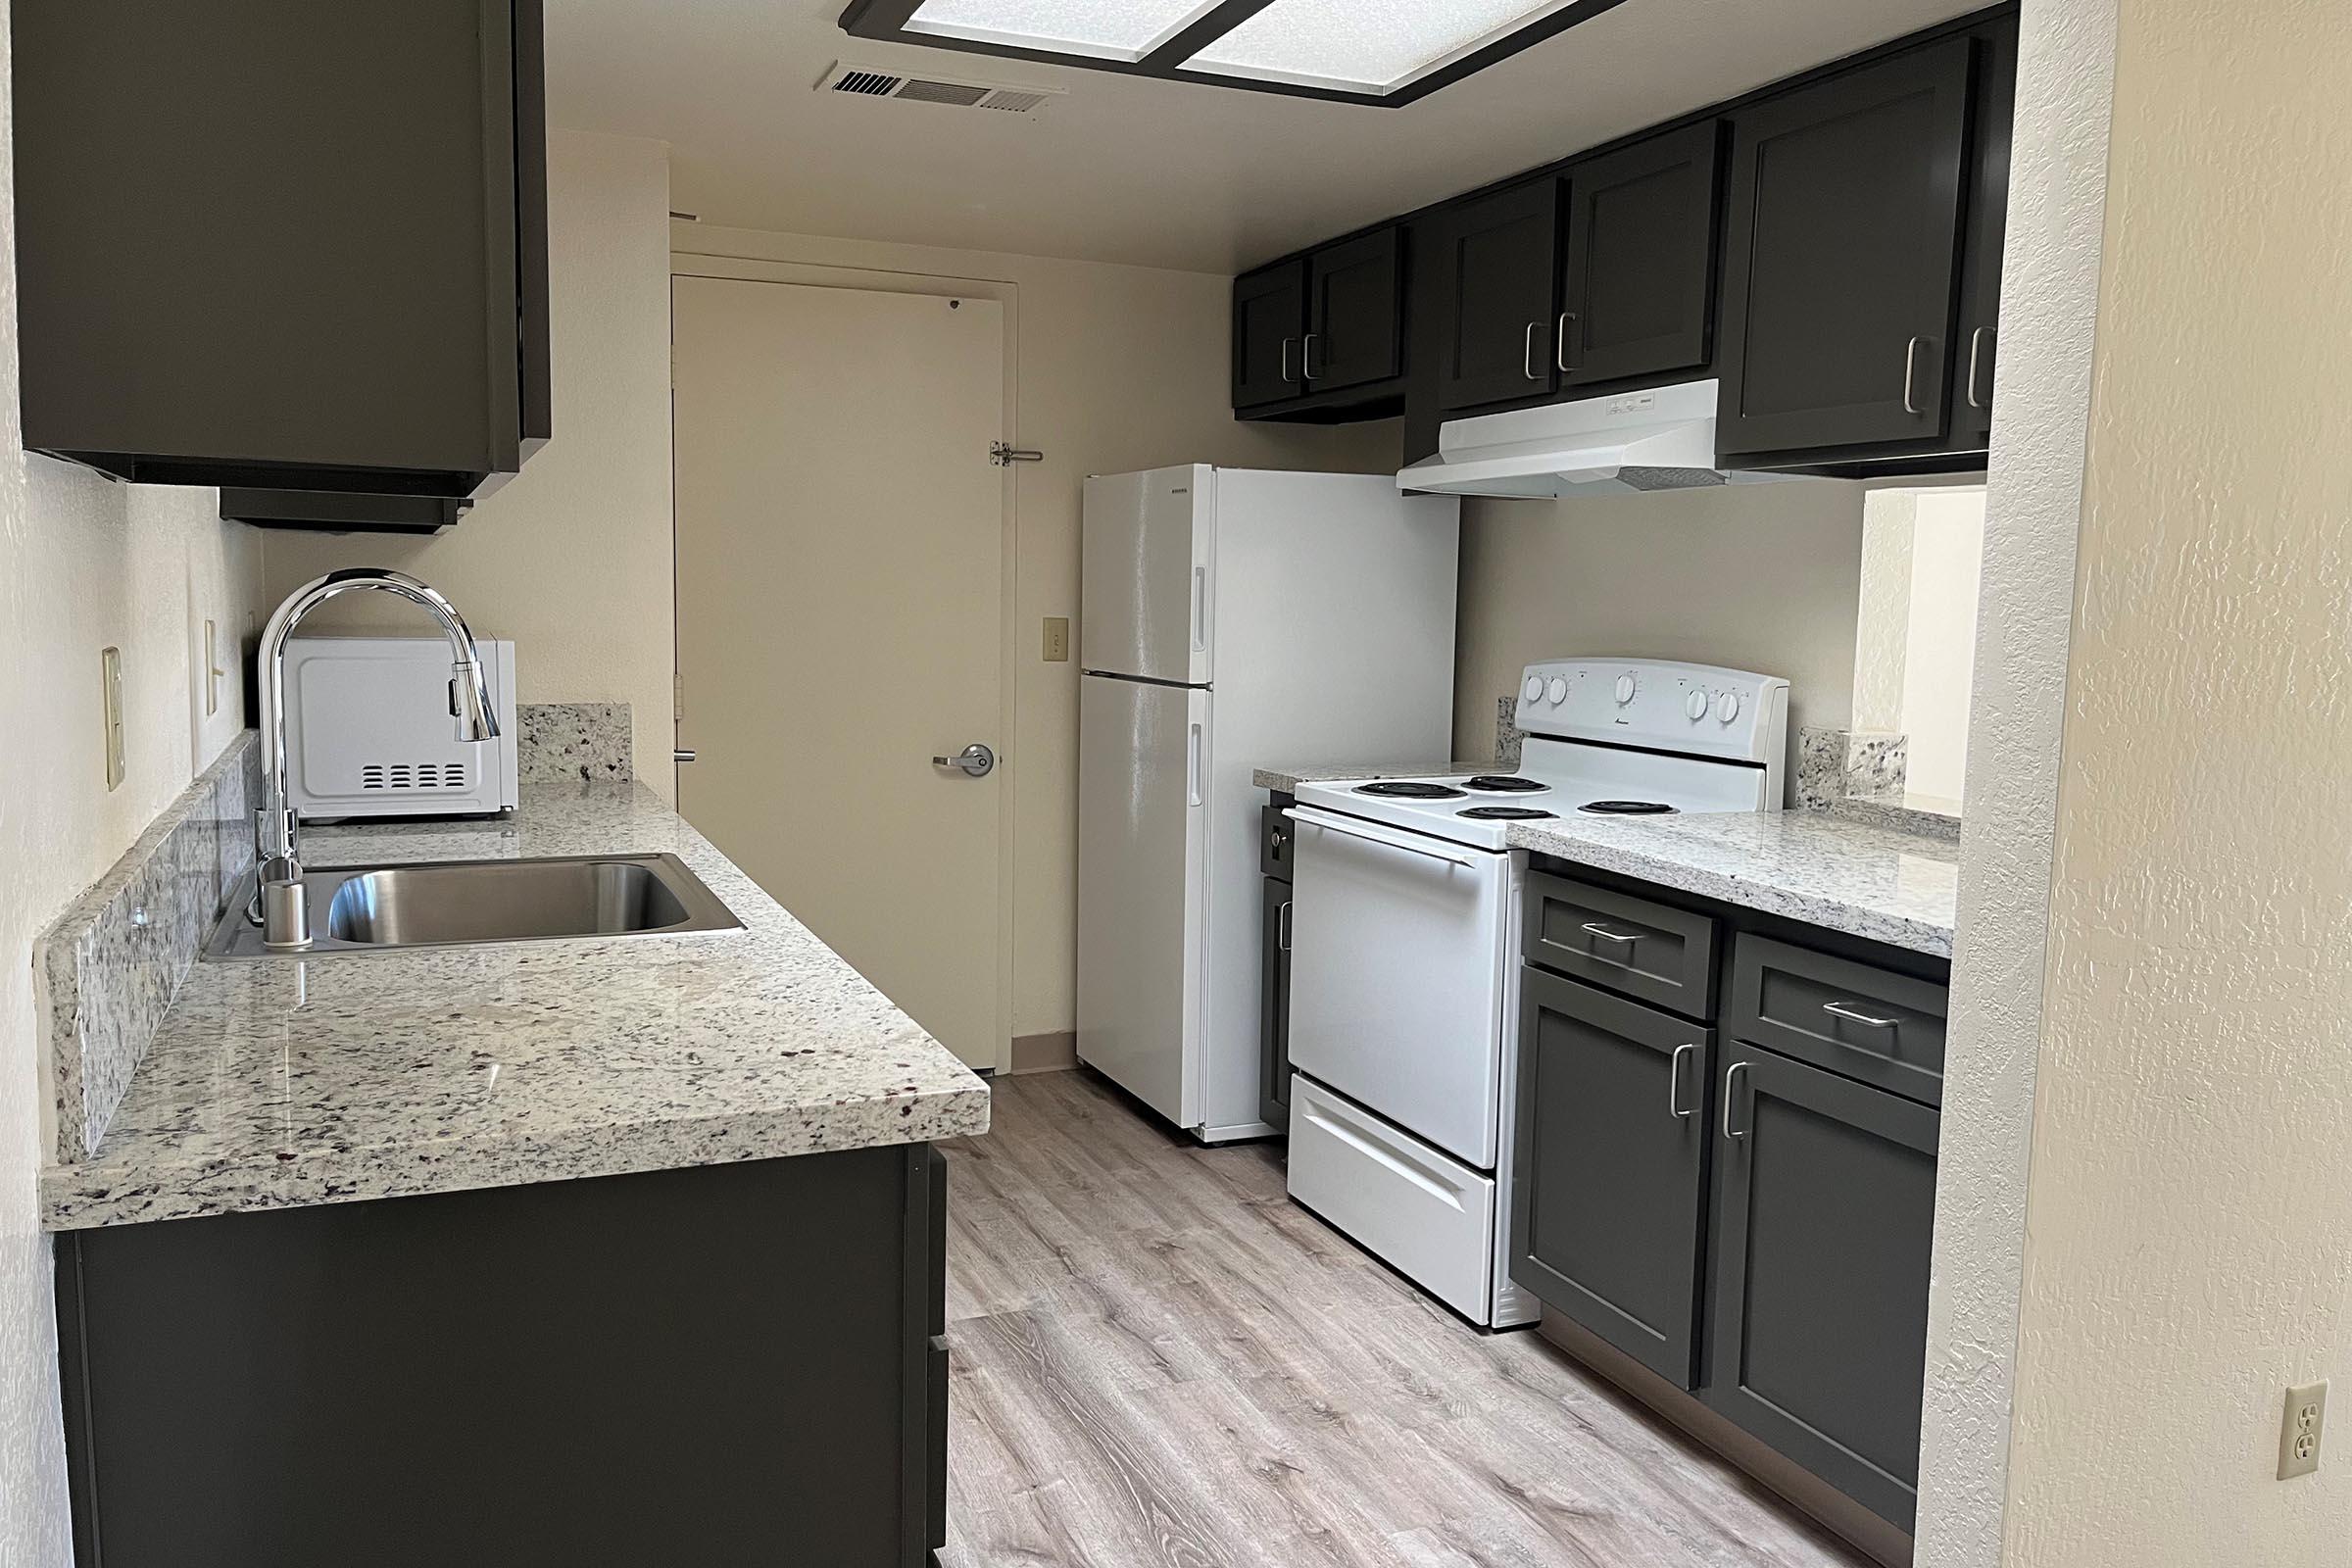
(1343, 434)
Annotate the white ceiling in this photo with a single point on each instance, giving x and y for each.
(1127, 168)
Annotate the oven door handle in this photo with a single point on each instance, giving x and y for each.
(1347, 828)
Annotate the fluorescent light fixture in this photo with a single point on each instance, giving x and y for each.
(1368, 46)
(1104, 29)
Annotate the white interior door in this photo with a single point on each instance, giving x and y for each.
(840, 571)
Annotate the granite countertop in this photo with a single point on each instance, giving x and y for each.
(1824, 871)
(277, 1083)
(1865, 878)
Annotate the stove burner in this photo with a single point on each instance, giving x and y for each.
(1507, 814)
(1627, 809)
(1505, 784)
(1410, 790)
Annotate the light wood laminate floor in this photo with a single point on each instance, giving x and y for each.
(1160, 1361)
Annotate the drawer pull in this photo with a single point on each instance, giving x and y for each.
(1607, 935)
(1847, 1012)
(1731, 1099)
(1674, 1083)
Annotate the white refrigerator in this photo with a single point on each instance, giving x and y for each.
(1231, 619)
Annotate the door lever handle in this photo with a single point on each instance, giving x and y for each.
(975, 760)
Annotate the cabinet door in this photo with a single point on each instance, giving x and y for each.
(1637, 287)
(1274, 1004)
(1978, 342)
(1356, 314)
(1495, 270)
(1825, 1212)
(1839, 262)
(1269, 328)
(1606, 1184)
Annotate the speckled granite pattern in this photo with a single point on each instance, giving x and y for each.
(573, 743)
(1507, 733)
(1839, 765)
(1290, 776)
(285, 1082)
(107, 967)
(1898, 888)
(1927, 814)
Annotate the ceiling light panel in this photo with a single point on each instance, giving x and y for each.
(1374, 46)
(1106, 30)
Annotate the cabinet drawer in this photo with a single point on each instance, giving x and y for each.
(1652, 952)
(1868, 1023)
(1275, 839)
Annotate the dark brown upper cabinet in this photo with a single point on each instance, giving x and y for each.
(1840, 261)
(1269, 335)
(1356, 314)
(1977, 343)
(284, 246)
(1494, 266)
(1637, 273)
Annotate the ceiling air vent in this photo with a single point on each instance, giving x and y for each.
(863, 82)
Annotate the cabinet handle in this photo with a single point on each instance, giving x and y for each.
(1307, 355)
(1911, 376)
(1287, 344)
(1674, 1083)
(1527, 351)
(1730, 1098)
(1607, 935)
(1567, 318)
(1851, 1014)
(1976, 354)
(1282, 927)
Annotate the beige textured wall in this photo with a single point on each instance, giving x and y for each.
(1754, 577)
(1118, 369)
(572, 559)
(2188, 1244)
(1939, 634)
(84, 564)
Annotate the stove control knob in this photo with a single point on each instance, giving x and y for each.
(1625, 689)
(1533, 690)
(1695, 705)
(1558, 690)
(1727, 706)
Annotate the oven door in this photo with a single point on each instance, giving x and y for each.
(1400, 965)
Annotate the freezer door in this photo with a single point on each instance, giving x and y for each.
(1143, 895)
(1148, 576)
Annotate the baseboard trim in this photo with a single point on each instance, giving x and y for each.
(1054, 1052)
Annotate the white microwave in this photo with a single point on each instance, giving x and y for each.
(368, 731)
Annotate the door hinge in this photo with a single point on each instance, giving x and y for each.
(677, 696)
(1004, 456)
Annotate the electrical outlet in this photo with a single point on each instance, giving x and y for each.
(1057, 639)
(2301, 1430)
(110, 674)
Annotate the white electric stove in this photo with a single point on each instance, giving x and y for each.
(1404, 960)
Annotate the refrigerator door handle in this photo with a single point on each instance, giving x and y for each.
(1200, 609)
(1192, 764)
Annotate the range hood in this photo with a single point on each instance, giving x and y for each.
(1662, 438)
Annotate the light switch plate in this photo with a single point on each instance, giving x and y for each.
(110, 668)
(1057, 639)
(2301, 1427)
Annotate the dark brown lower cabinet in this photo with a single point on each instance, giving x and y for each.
(1825, 1214)
(730, 1364)
(1609, 1184)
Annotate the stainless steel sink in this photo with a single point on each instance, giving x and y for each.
(469, 903)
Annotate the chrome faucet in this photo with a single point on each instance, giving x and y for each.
(276, 835)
